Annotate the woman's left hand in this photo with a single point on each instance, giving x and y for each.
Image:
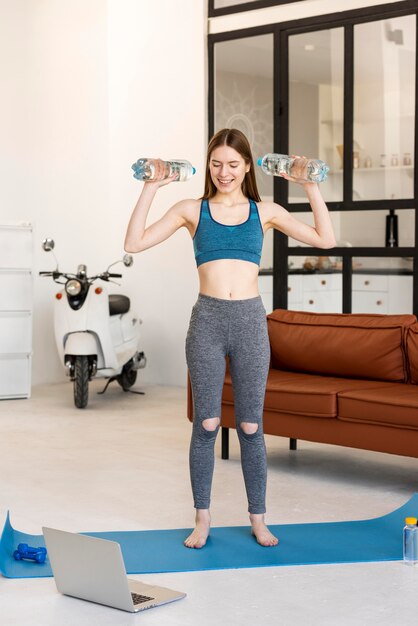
(297, 168)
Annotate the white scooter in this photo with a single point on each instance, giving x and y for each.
(97, 334)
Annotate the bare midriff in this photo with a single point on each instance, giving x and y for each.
(229, 279)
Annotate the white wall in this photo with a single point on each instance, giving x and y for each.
(157, 107)
(54, 158)
(87, 88)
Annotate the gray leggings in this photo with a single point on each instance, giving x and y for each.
(237, 328)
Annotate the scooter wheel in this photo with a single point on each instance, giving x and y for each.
(81, 381)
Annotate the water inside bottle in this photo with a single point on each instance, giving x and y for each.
(302, 168)
(143, 169)
(317, 171)
(183, 169)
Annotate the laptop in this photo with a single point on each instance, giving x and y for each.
(93, 569)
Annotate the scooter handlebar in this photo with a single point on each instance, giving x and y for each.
(54, 274)
(106, 275)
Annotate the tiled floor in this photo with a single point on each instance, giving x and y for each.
(122, 464)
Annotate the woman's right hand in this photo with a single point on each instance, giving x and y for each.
(160, 170)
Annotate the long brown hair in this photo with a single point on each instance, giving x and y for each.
(233, 138)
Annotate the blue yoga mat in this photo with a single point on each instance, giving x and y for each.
(151, 551)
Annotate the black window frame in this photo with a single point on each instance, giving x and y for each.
(281, 32)
(245, 6)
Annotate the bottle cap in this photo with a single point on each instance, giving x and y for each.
(260, 160)
(193, 170)
(411, 521)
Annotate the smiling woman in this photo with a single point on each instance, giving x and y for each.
(227, 226)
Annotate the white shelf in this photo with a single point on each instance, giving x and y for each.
(15, 309)
(359, 120)
(404, 168)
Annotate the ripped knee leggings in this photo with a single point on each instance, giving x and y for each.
(237, 329)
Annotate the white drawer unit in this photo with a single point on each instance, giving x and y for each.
(389, 293)
(370, 302)
(15, 376)
(265, 287)
(15, 290)
(318, 293)
(16, 246)
(322, 301)
(16, 298)
(322, 282)
(370, 282)
(15, 332)
(321, 293)
(400, 294)
(295, 292)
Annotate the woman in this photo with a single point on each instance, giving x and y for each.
(229, 317)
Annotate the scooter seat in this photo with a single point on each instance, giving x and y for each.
(118, 304)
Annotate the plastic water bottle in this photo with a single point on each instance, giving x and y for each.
(144, 169)
(308, 170)
(410, 541)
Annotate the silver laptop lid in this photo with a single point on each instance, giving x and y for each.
(89, 568)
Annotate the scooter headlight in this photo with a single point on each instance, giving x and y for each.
(73, 287)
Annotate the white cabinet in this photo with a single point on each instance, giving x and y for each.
(295, 292)
(16, 295)
(370, 294)
(265, 287)
(321, 293)
(400, 294)
(382, 294)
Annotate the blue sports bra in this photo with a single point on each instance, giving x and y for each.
(213, 240)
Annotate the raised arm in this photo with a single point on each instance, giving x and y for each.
(138, 237)
(320, 236)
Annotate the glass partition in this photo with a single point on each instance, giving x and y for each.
(378, 228)
(244, 95)
(379, 117)
(244, 100)
(384, 109)
(316, 105)
(368, 228)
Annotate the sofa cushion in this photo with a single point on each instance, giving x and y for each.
(302, 394)
(340, 344)
(412, 350)
(393, 404)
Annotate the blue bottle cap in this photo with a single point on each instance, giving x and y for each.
(260, 160)
(193, 170)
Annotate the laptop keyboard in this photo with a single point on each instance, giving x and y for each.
(138, 599)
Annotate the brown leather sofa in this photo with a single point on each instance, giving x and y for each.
(343, 379)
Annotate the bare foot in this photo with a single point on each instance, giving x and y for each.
(198, 537)
(261, 532)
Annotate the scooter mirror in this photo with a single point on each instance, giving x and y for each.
(48, 244)
(128, 260)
